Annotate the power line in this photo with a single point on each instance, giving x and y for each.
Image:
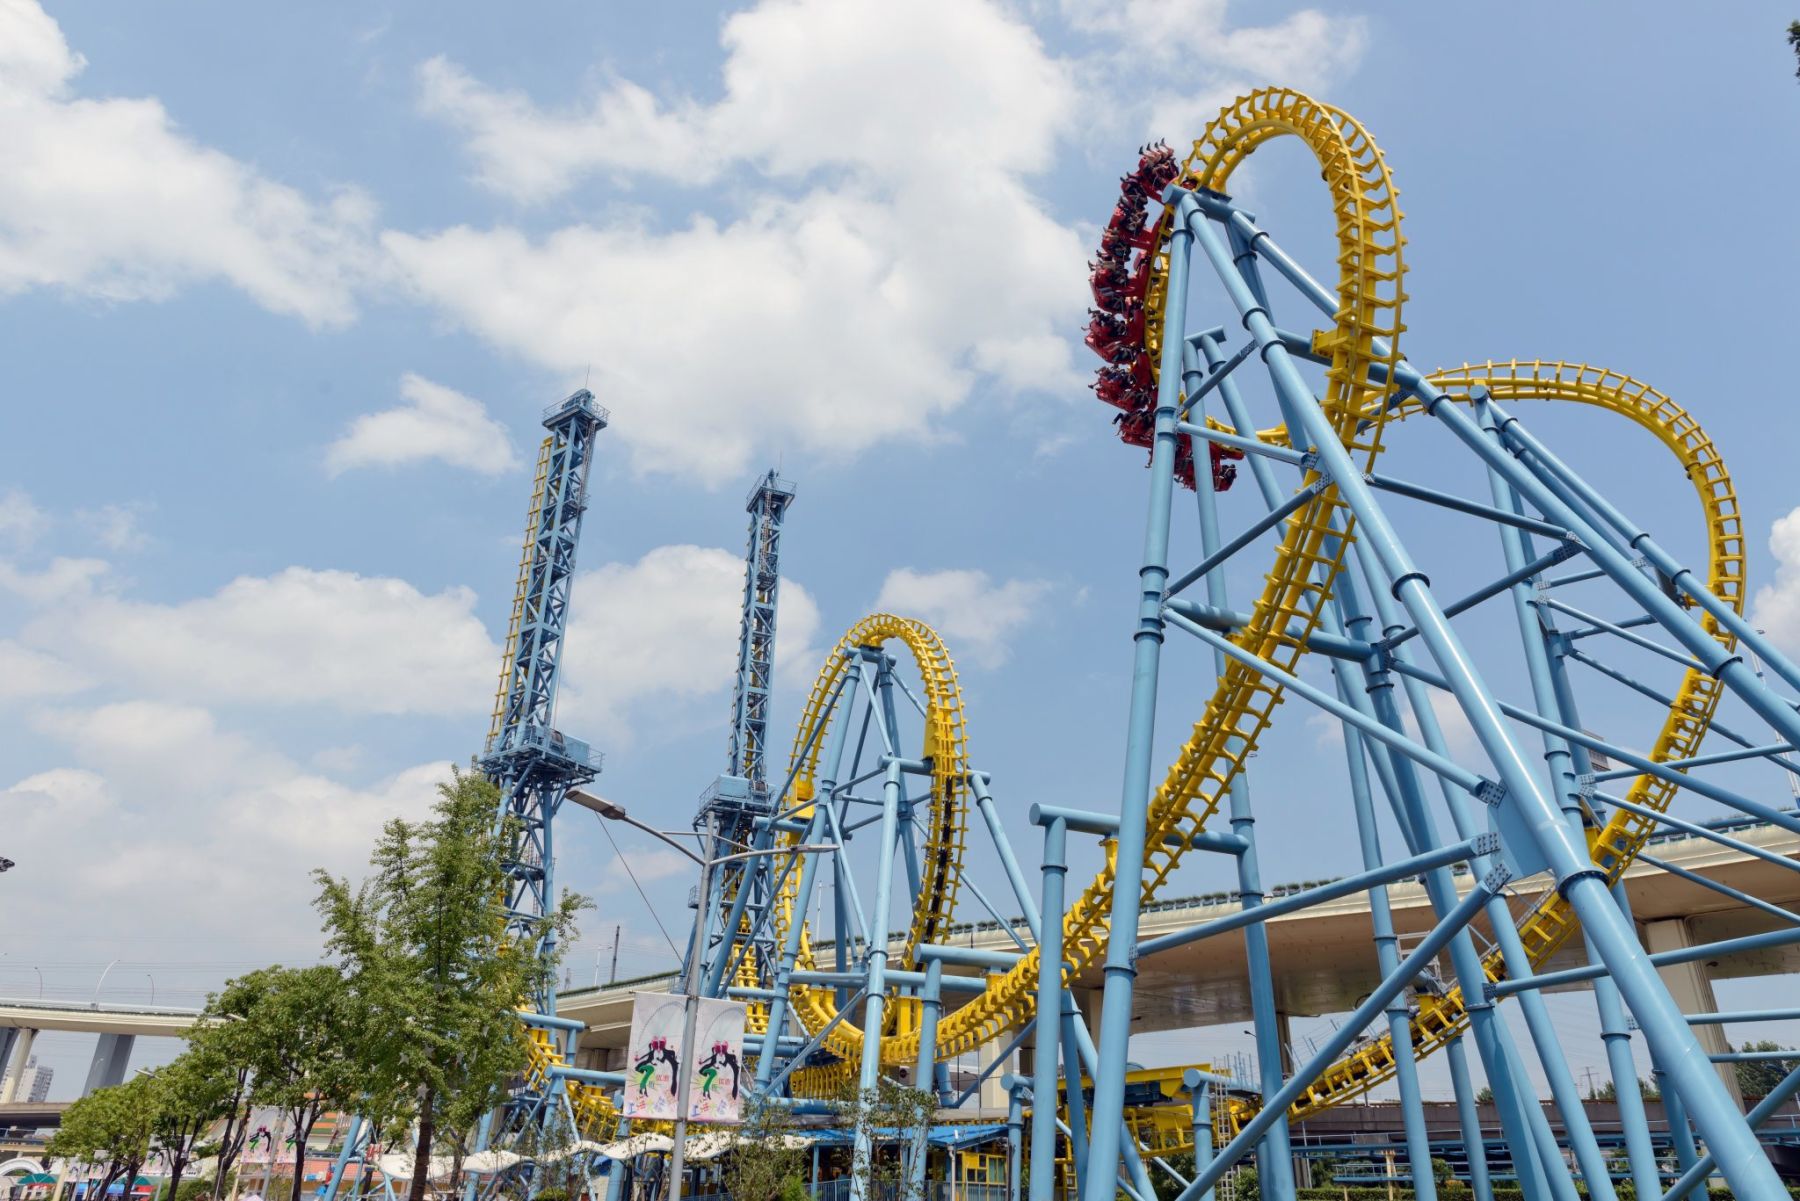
(626, 864)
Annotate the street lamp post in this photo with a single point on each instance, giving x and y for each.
(690, 972)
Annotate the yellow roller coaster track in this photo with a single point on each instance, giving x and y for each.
(947, 749)
(1289, 609)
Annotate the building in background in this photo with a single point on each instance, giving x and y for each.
(36, 1084)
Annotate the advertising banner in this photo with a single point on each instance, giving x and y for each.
(655, 1060)
(715, 1068)
(716, 1084)
(716, 1092)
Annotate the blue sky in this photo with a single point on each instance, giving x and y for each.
(284, 293)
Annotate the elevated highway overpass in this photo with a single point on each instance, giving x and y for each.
(118, 1027)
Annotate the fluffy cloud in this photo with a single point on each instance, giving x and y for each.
(1189, 60)
(665, 627)
(21, 521)
(162, 821)
(27, 673)
(976, 617)
(436, 423)
(361, 643)
(895, 245)
(1777, 604)
(107, 198)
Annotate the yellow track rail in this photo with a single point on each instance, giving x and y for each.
(940, 871)
(520, 590)
(1370, 295)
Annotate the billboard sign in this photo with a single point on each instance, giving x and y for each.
(716, 1083)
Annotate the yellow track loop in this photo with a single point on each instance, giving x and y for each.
(1289, 609)
(946, 747)
(1549, 923)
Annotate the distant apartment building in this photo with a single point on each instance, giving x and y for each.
(36, 1083)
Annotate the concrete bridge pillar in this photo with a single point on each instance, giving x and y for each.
(111, 1055)
(1691, 986)
(993, 1094)
(20, 1041)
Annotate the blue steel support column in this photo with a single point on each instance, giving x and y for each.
(1577, 879)
(1387, 951)
(784, 963)
(1121, 967)
(876, 975)
(1049, 1001)
(345, 1154)
(1468, 1118)
(1072, 1028)
(1275, 1158)
(931, 1005)
(1552, 697)
(1492, 1039)
(1200, 1093)
(1274, 1107)
(1559, 765)
(1015, 1133)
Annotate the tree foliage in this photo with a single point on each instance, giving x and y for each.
(1759, 1078)
(194, 1092)
(110, 1130)
(886, 1116)
(216, 1077)
(423, 944)
(762, 1163)
(1793, 36)
(1610, 1091)
(302, 1037)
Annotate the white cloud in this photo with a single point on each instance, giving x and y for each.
(665, 627)
(977, 618)
(108, 198)
(21, 521)
(1776, 608)
(63, 581)
(27, 673)
(647, 865)
(807, 84)
(1188, 60)
(116, 527)
(863, 232)
(162, 821)
(436, 423)
(364, 644)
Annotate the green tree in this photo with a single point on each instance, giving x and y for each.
(196, 1090)
(764, 1160)
(437, 978)
(1610, 1091)
(220, 1080)
(111, 1130)
(1759, 1078)
(888, 1115)
(301, 1038)
(1794, 41)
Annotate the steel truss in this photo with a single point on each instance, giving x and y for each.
(1345, 586)
(533, 764)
